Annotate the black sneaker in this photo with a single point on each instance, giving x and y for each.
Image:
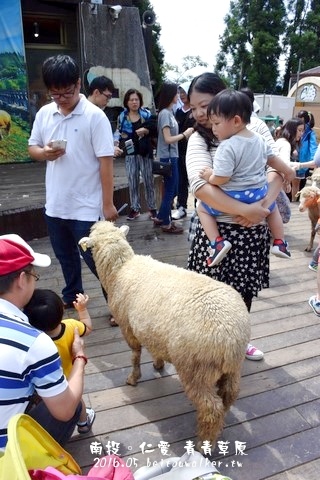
(133, 215)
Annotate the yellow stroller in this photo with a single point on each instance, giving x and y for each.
(30, 447)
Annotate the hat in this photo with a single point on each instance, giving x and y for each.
(15, 254)
(185, 86)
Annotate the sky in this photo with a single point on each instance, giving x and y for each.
(190, 28)
(11, 39)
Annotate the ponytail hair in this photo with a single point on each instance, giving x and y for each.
(307, 117)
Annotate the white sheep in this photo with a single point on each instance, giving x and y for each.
(199, 325)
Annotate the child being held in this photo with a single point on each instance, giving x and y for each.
(239, 168)
(45, 311)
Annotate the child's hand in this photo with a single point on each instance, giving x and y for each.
(206, 173)
(81, 302)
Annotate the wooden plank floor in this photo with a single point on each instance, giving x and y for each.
(277, 413)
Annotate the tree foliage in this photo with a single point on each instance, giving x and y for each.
(183, 73)
(157, 53)
(262, 33)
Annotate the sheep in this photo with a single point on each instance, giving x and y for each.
(5, 123)
(309, 199)
(315, 178)
(198, 324)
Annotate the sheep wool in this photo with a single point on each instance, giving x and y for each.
(198, 324)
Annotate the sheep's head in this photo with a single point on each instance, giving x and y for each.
(88, 242)
(308, 197)
(110, 248)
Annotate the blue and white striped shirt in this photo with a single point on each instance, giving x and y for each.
(29, 362)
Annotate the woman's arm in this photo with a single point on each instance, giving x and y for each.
(198, 157)
(168, 138)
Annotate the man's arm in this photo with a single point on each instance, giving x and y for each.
(63, 405)
(106, 176)
(45, 153)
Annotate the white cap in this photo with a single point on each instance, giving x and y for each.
(40, 259)
(185, 86)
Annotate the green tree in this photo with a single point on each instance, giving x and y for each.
(180, 74)
(250, 46)
(302, 37)
(157, 53)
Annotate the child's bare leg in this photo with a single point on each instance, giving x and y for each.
(280, 247)
(275, 224)
(83, 414)
(87, 417)
(208, 223)
(219, 246)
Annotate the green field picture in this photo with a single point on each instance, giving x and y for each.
(14, 105)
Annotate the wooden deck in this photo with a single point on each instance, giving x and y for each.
(277, 414)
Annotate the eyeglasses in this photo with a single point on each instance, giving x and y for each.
(57, 96)
(107, 95)
(36, 276)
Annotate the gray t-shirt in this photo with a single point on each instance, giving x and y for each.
(166, 119)
(244, 160)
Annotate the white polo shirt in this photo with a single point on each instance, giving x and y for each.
(73, 185)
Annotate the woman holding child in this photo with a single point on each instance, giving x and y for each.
(246, 267)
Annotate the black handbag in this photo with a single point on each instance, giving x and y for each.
(162, 168)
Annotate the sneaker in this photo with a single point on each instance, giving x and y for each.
(252, 353)
(315, 305)
(152, 214)
(85, 427)
(281, 249)
(313, 266)
(133, 215)
(178, 214)
(217, 252)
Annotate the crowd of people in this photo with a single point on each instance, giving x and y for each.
(217, 147)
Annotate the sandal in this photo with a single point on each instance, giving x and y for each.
(157, 221)
(85, 427)
(173, 228)
(112, 322)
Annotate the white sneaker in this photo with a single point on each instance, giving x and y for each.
(315, 304)
(252, 353)
(178, 214)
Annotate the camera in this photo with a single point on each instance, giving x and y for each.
(129, 147)
(114, 12)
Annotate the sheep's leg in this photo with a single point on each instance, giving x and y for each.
(313, 234)
(228, 388)
(135, 357)
(158, 363)
(199, 384)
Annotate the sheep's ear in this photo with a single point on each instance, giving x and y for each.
(85, 242)
(124, 229)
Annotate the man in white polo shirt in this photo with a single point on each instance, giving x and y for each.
(79, 176)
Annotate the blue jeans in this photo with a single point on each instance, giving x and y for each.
(170, 191)
(64, 236)
(60, 431)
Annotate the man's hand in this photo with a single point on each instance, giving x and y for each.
(52, 154)
(110, 213)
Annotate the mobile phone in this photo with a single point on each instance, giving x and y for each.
(129, 147)
(59, 144)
